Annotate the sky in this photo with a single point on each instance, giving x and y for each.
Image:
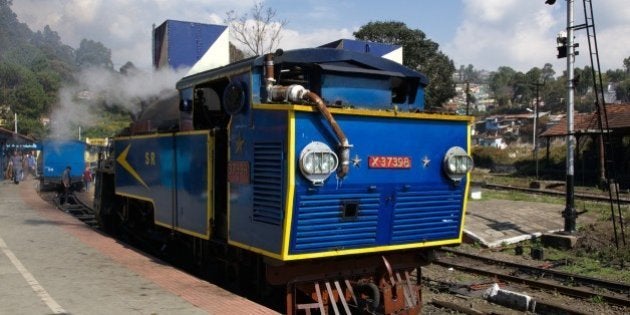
(488, 34)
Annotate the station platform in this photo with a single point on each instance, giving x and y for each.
(51, 263)
(493, 223)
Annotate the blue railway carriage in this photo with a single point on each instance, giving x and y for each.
(55, 156)
(317, 166)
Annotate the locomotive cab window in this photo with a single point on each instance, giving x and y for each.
(207, 109)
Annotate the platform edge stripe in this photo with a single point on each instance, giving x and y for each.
(32, 282)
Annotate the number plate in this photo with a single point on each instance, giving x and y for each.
(389, 161)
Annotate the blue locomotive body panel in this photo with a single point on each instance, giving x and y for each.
(257, 206)
(392, 205)
(170, 171)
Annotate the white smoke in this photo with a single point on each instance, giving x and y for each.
(82, 105)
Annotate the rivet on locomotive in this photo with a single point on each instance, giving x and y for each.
(313, 172)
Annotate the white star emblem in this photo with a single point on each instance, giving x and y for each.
(356, 161)
(425, 161)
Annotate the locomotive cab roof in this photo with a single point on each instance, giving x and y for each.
(327, 59)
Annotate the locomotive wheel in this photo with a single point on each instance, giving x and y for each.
(369, 297)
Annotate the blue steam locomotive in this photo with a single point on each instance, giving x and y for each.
(316, 171)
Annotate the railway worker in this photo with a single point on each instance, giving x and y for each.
(65, 182)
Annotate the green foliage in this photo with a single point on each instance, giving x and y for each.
(109, 126)
(21, 93)
(419, 53)
(623, 90)
(34, 66)
(469, 74)
(93, 54)
(501, 84)
(486, 157)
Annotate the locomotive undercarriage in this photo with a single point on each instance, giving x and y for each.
(367, 284)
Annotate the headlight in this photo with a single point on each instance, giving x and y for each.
(457, 163)
(317, 162)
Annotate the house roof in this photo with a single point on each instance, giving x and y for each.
(583, 123)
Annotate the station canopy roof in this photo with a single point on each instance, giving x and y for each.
(9, 139)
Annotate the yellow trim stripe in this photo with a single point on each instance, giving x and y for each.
(257, 250)
(210, 183)
(143, 198)
(290, 184)
(364, 112)
(161, 135)
(189, 232)
(163, 224)
(354, 251)
(122, 160)
(467, 188)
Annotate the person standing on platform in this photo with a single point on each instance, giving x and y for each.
(17, 167)
(87, 178)
(32, 165)
(65, 181)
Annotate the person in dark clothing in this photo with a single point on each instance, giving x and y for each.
(65, 182)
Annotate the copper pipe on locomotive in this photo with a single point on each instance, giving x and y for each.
(298, 93)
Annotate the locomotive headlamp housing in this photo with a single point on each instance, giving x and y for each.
(457, 163)
(317, 162)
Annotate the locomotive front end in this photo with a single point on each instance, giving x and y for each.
(337, 171)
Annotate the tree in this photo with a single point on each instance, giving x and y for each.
(259, 34)
(548, 74)
(623, 91)
(501, 85)
(419, 53)
(128, 68)
(91, 53)
(50, 43)
(626, 64)
(13, 34)
(236, 54)
(21, 94)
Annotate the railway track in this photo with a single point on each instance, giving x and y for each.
(551, 192)
(576, 286)
(74, 206)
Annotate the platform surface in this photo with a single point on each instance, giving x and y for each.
(51, 263)
(493, 223)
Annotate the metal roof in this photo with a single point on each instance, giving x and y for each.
(585, 123)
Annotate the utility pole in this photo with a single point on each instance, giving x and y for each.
(569, 213)
(536, 113)
(467, 98)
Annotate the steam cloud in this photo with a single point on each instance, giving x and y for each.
(80, 105)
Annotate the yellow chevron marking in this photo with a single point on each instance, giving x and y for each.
(122, 159)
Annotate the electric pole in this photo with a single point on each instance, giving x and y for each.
(569, 213)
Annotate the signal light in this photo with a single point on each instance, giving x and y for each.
(561, 45)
